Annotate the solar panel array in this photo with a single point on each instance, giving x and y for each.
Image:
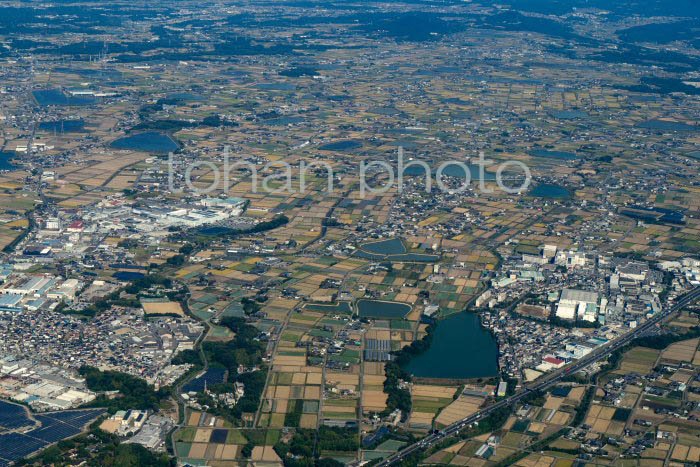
(54, 427)
(377, 350)
(13, 416)
(212, 376)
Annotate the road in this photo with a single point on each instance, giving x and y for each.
(549, 380)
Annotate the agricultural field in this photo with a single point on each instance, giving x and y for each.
(206, 437)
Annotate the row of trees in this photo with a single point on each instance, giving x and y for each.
(134, 392)
(99, 448)
(398, 398)
(115, 298)
(306, 444)
(244, 349)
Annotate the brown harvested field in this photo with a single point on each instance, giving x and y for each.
(615, 428)
(202, 435)
(462, 407)
(535, 460)
(163, 308)
(342, 378)
(373, 400)
(383, 334)
(198, 450)
(638, 360)
(594, 411)
(314, 378)
(194, 418)
(312, 392)
(599, 418)
(680, 452)
(257, 452)
(455, 448)
(276, 420)
(283, 392)
(121, 182)
(536, 427)
(560, 418)
(81, 200)
(269, 455)
(683, 351)
(281, 405)
(606, 413)
(553, 402)
(211, 451)
(427, 390)
(230, 452)
(533, 310)
(100, 173)
(281, 368)
(421, 418)
(288, 360)
(681, 376)
(600, 425)
(650, 462)
(628, 400)
(374, 368)
(299, 378)
(308, 420)
(371, 380)
(462, 460)
(340, 409)
(696, 359)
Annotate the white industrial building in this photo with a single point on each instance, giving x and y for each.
(574, 301)
(549, 251)
(570, 259)
(32, 285)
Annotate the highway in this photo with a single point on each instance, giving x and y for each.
(549, 380)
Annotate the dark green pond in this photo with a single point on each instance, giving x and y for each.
(63, 126)
(666, 125)
(365, 255)
(149, 141)
(58, 98)
(547, 190)
(376, 309)
(341, 145)
(185, 96)
(393, 246)
(5, 163)
(461, 348)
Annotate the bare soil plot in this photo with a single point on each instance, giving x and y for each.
(683, 351)
(163, 308)
(462, 407)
